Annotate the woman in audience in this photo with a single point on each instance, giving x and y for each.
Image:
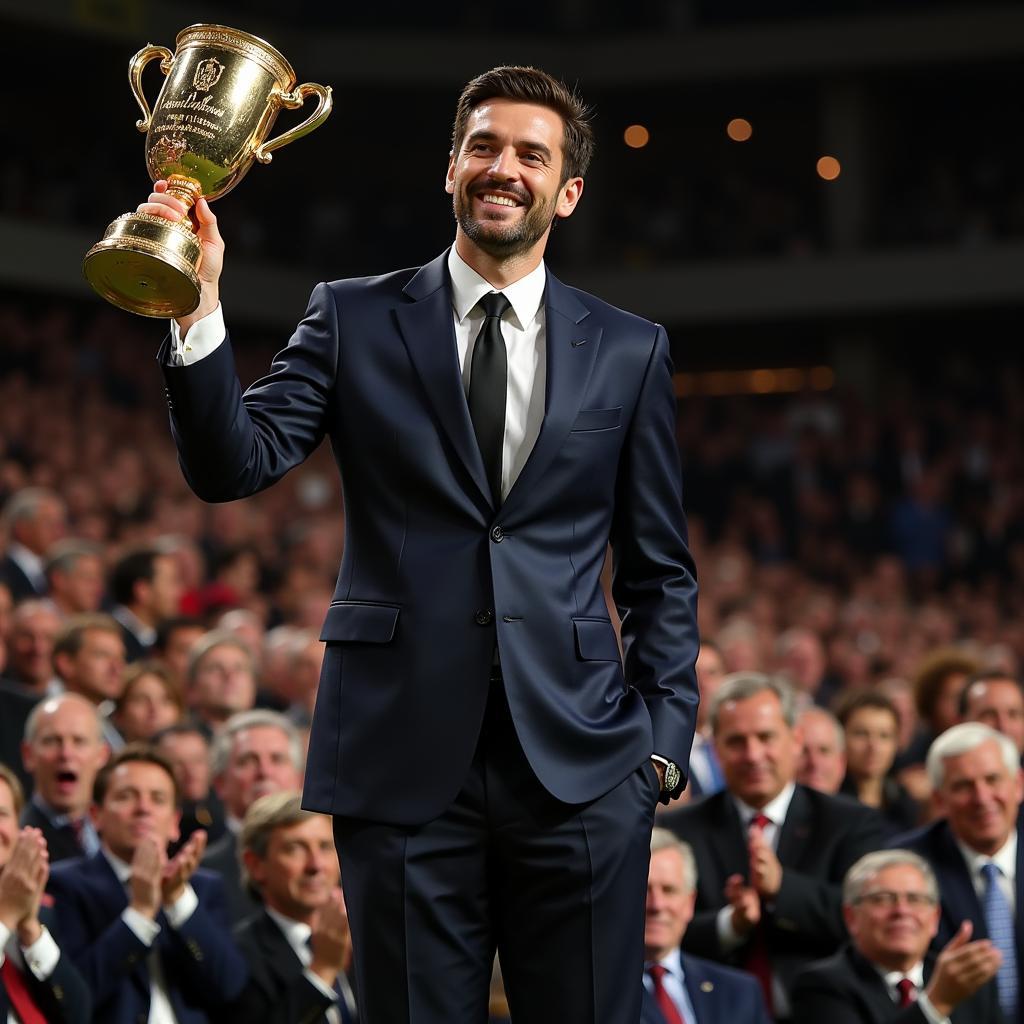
(149, 703)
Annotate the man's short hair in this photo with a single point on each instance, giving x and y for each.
(14, 785)
(663, 839)
(166, 628)
(71, 636)
(48, 704)
(962, 739)
(861, 699)
(744, 685)
(65, 554)
(133, 566)
(863, 870)
(832, 720)
(216, 638)
(24, 504)
(264, 817)
(133, 753)
(531, 85)
(989, 675)
(257, 718)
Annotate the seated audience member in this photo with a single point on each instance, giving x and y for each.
(705, 771)
(802, 661)
(996, 699)
(771, 854)
(256, 753)
(187, 747)
(175, 638)
(33, 519)
(37, 983)
(29, 669)
(885, 974)
(88, 658)
(297, 946)
(63, 750)
(221, 680)
(150, 936)
(146, 587)
(149, 703)
(823, 754)
(976, 850)
(74, 570)
(678, 987)
(871, 725)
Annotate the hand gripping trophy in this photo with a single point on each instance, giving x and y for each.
(223, 92)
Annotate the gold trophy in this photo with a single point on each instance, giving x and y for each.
(223, 92)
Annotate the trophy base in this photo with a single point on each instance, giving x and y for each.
(146, 265)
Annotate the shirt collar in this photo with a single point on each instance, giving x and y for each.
(1005, 858)
(296, 932)
(468, 288)
(893, 978)
(121, 868)
(28, 561)
(776, 809)
(58, 819)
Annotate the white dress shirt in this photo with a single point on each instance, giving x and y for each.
(674, 983)
(522, 327)
(892, 981)
(40, 958)
(1005, 858)
(146, 931)
(30, 564)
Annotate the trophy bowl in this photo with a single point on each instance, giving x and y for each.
(223, 91)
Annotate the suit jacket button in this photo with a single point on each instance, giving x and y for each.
(497, 535)
(484, 617)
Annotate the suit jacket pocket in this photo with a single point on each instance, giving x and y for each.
(597, 419)
(359, 622)
(595, 640)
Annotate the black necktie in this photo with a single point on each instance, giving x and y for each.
(487, 384)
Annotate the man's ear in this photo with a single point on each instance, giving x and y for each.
(569, 196)
(449, 178)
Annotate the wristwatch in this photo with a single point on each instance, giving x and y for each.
(673, 776)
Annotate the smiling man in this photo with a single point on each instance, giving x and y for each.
(477, 734)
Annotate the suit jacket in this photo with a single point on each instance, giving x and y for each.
(202, 967)
(960, 902)
(60, 842)
(64, 997)
(20, 586)
(277, 991)
(221, 858)
(820, 838)
(847, 989)
(435, 574)
(16, 702)
(719, 995)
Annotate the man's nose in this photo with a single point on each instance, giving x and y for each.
(504, 165)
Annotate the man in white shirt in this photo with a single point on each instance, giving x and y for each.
(885, 975)
(297, 946)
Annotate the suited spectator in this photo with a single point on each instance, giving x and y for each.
(175, 638)
(75, 577)
(221, 679)
(995, 698)
(885, 974)
(64, 750)
(34, 976)
(679, 987)
(297, 946)
(149, 935)
(705, 771)
(872, 728)
(823, 754)
(976, 849)
(88, 657)
(256, 753)
(34, 518)
(187, 747)
(34, 626)
(771, 854)
(150, 702)
(802, 662)
(146, 587)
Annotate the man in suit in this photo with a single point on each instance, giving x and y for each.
(34, 518)
(38, 984)
(885, 975)
(75, 576)
(297, 946)
(679, 988)
(476, 730)
(771, 854)
(149, 935)
(822, 762)
(146, 586)
(976, 849)
(996, 698)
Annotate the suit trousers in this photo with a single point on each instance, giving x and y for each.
(558, 889)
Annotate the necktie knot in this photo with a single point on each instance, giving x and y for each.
(906, 989)
(760, 821)
(657, 972)
(494, 304)
(991, 872)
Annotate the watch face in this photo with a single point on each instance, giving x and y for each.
(672, 776)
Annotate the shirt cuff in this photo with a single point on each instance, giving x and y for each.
(318, 983)
(141, 926)
(5, 934)
(728, 938)
(933, 1015)
(182, 908)
(42, 956)
(203, 338)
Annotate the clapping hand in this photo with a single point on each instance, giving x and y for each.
(177, 872)
(331, 940)
(745, 903)
(961, 969)
(22, 883)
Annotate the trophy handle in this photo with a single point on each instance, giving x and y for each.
(139, 61)
(293, 100)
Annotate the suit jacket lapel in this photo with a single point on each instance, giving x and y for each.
(796, 829)
(876, 995)
(571, 344)
(428, 329)
(700, 989)
(958, 895)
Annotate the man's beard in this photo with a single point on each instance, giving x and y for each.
(500, 239)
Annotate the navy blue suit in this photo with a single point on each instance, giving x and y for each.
(718, 995)
(960, 901)
(435, 576)
(202, 967)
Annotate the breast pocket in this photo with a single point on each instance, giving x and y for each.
(597, 419)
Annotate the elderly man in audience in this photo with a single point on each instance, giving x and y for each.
(34, 519)
(678, 987)
(996, 698)
(34, 626)
(298, 946)
(74, 571)
(221, 679)
(256, 753)
(38, 985)
(63, 750)
(771, 854)
(823, 755)
(146, 585)
(885, 974)
(150, 935)
(976, 849)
